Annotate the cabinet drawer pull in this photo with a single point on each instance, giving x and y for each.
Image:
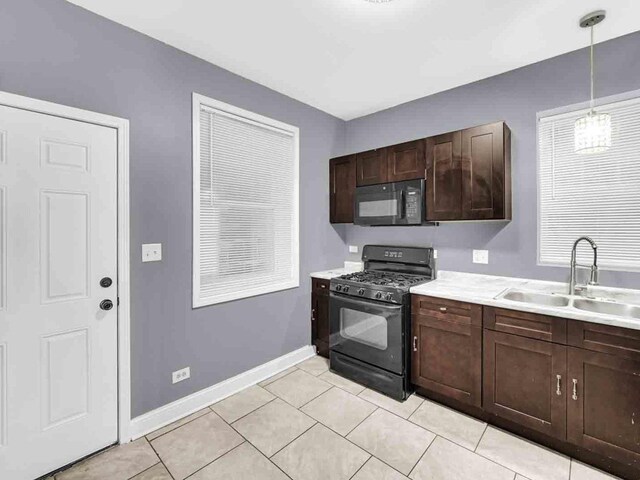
(415, 344)
(575, 389)
(558, 380)
(443, 309)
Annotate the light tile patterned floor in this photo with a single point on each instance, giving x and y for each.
(308, 423)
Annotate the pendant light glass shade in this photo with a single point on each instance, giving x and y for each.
(593, 133)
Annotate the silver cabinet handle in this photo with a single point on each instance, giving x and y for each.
(415, 344)
(443, 309)
(313, 314)
(558, 380)
(575, 389)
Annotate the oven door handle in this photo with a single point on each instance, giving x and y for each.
(367, 303)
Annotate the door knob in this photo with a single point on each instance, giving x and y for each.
(106, 304)
(105, 282)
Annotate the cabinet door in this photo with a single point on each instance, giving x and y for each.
(342, 183)
(484, 190)
(371, 167)
(604, 407)
(525, 382)
(444, 177)
(447, 357)
(406, 161)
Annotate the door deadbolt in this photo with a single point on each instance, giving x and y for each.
(106, 304)
(105, 282)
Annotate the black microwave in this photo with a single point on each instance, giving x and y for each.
(397, 203)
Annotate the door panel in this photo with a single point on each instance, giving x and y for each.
(521, 382)
(603, 414)
(58, 358)
(406, 161)
(371, 167)
(444, 177)
(483, 172)
(447, 357)
(342, 172)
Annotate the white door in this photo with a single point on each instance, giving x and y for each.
(58, 348)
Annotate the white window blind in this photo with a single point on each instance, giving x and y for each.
(596, 195)
(245, 203)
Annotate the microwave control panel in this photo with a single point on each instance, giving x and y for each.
(413, 206)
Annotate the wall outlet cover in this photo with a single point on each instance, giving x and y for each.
(180, 375)
(481, 256)
(353, 249)
(435, 253)
(151, 252)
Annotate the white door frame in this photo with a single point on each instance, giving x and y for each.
(122, 128)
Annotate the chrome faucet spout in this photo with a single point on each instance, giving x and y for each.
(593, 279)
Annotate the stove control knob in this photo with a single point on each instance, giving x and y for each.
(379, 295)
(361, 291)
(345, 289)
(338, 288)
(389, 296)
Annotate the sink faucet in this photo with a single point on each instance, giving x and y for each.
(593, 280)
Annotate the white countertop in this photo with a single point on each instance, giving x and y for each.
(483, 289)
(329, 274)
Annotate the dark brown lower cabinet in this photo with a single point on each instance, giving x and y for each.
(525, 381)
(603, 404)
(320, 316)
(447, 357)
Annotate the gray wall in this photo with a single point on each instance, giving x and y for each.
(514, 97)
(55, 51)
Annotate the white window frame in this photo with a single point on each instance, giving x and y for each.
(198, 102)
(633, 95)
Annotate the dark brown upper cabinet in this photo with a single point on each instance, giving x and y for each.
(342, 183)
(371, 167)
(444, 176)
(406, 161)
(486, 172)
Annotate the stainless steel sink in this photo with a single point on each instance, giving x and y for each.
(607, 308)
(537, 298)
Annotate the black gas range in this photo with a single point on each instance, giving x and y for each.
(370, 317)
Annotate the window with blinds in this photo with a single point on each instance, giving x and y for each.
(245, 222)
(596, 195)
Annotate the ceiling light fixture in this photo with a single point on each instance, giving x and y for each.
(593, 131)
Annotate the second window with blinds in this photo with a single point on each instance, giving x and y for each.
(595, 194)
(245, 222)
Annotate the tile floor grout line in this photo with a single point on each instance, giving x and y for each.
(159, 462)
(179, 426)
(361, 466)
(270, 383)
(160, 458)
(249, 413)
(315, 422)
(212, 461)
(363, 420)
(486, 427)
(435, 435)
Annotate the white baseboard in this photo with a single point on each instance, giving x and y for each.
(173, 411)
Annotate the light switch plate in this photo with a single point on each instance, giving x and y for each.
(435, 253)
(353, 249)
(481, 256)
(151, 252)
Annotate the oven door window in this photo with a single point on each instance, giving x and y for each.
(365, 328)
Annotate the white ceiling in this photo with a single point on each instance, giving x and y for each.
(352, 57)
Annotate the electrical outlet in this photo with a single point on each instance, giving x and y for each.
(435, 253)
(151, 252)
(481, 256)
(180, 375)
(353, 249)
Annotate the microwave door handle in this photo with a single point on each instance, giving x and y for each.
(402, 199)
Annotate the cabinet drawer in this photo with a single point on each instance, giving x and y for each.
(450, 310)
(320, 286)
(622, 342)
(530, 325)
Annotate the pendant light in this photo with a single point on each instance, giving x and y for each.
(593, 131)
